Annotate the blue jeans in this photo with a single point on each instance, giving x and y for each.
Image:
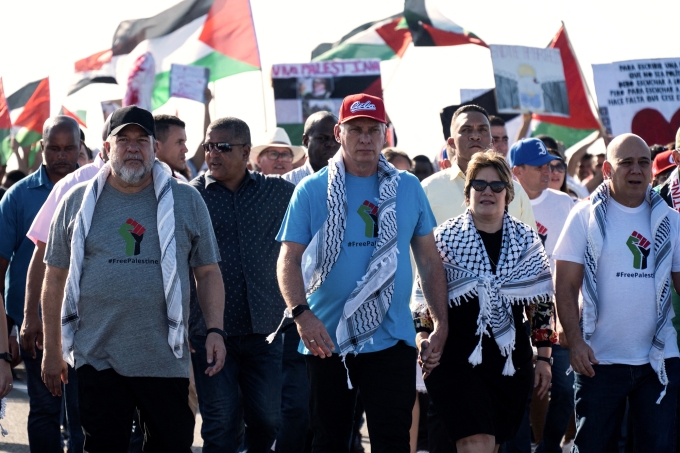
(295, 397)
(44, 434)
(601, 403)
(254, 366)
(561, 402)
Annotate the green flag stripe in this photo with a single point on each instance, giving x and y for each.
(220, 66)
(567, 135)
(5, 148)
(26, 137)
(349, 51)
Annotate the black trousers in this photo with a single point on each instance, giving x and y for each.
(386, 381)
(107, 403)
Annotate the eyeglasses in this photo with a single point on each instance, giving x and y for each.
(559, 167)
(496, 186)
(220, 147)
(284, 156)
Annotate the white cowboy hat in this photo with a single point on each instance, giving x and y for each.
(278, 138)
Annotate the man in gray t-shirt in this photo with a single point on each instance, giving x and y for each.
(124, 322)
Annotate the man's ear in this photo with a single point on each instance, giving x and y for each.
(676, 157)
(336, 132)
(156, 146)
(607, 170)
(305, 140)
(451, 143)
(246, 153)
(42, 145)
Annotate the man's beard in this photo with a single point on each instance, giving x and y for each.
(131, 175)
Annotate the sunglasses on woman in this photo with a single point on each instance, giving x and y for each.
(559, 167)
(496, 186)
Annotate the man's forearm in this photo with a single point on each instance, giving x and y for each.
(210, 291)
(36, 273)
(289, 275)
(433, 281)
(52, 297)
(568, 311)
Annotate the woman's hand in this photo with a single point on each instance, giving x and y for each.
(430, 353)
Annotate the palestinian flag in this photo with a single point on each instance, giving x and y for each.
(583, 119)
(429, 27)
(30, 108)
(78, 115)
(5, 129)
(384, 39)
(217, 34)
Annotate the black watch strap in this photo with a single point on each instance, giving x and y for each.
(297, 311)
(545, 359)
(220, 332)
(6, 356)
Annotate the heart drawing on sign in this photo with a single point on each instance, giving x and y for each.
(651, 125)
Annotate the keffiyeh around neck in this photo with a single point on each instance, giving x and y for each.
(661, 229)
(162, 183)
(522, 277)
(370, 300)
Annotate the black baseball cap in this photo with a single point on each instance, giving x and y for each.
(131, 115)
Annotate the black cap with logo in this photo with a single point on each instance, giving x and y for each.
(132, 115)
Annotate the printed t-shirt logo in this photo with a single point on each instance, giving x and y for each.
(369, 214)
(639, 247)
(357, 106)
(133, 233)
(542, 232)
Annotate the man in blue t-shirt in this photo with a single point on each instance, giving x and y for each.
(345, 274)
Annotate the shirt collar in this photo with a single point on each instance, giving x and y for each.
(456, 172)
(40, 179)
(209, 179)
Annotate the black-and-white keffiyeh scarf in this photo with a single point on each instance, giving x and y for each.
(367, 304)
(661, 230)
(162, 180)
(522, 277)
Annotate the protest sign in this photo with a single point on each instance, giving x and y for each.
(529, 79)
(640, 96)
(303, 89)
(189, 82)
(108, 107)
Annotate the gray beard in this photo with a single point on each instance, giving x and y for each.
(130, 175)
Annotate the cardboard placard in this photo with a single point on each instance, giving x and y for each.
(189, 82)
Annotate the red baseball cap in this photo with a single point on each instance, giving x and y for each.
(362, 106)
(662, 162)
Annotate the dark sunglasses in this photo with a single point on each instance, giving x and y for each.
(559, 167)
(220, 147)
(496, 186)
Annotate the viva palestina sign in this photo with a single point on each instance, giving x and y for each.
(306, 88)
(640, 96)
(529, 79)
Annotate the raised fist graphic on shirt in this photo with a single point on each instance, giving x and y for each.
(133, 233)
(639, 247)
(542, 232)
(369, 214)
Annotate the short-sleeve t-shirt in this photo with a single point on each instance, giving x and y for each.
(551, 210)
(122, 308)
(626, 292)
(306, 214)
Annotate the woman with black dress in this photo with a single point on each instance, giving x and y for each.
(497, 272)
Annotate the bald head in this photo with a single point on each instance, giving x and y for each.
(316, 118)
(624, 145)
(61, 122)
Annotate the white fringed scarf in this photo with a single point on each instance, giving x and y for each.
(661, 230)
(162, 180)
(522, 277)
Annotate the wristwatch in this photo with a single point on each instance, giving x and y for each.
(220, 332)
(7, 356)
(545, 359)
(297, 311)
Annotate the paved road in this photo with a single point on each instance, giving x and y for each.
(17, 414)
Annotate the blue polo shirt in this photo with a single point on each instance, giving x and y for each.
(18, 208)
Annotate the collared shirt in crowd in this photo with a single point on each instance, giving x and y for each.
(40, 227)
(246, 224)
(445, 191)
(298, 174)
(18, 208)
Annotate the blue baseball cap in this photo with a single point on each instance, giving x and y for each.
(530, 151)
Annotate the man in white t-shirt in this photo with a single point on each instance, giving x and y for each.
(531, 166)
(621, 250)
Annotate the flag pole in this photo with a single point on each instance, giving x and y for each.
(264, 100)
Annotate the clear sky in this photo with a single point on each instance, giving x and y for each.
(45, 37)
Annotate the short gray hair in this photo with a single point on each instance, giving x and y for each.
(236, 126)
